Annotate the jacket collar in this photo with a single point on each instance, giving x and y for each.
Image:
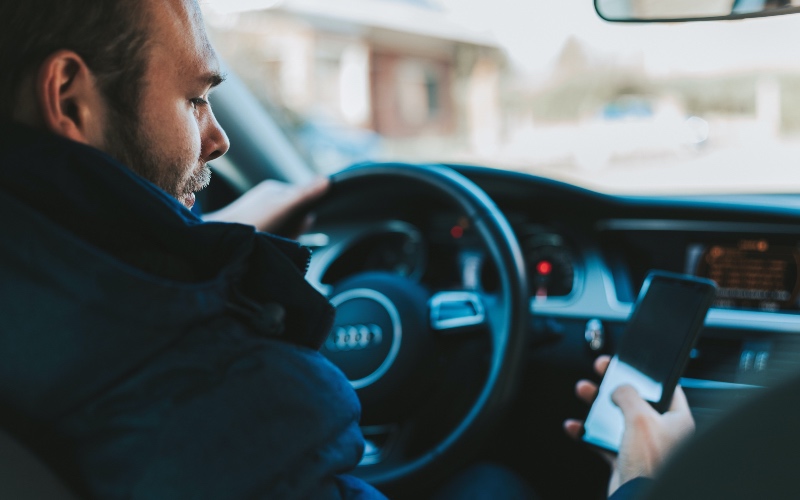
(88, 194)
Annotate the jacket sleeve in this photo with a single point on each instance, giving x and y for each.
(353, 488)
(635, 488)
(225, 417)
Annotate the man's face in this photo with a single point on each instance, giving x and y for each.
(175, 132)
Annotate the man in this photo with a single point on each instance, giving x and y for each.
(145, 354)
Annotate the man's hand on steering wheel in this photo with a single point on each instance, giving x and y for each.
(275, 207)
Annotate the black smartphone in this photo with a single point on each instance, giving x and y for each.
(652, 352)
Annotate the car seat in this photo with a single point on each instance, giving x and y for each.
(24, 476)
(752, 452)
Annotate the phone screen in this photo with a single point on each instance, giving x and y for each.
(652, 352)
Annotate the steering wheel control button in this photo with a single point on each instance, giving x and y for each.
(372, 453)
(456, 311)
(366, 335)
(595, 335)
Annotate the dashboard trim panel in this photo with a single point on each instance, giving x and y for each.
(696, 226)
(338, 245)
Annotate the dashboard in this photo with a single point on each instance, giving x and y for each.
(586, 256)
(444, 252)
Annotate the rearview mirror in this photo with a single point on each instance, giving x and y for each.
(691, 10)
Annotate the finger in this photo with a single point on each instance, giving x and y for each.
(308, 223)
(291, 218)
(601, 364)
(629, 401)
(302, 227)
(295, 228)
(573, 428)
(679, 402)
(315, 189)
(286, 198)
(586, 391)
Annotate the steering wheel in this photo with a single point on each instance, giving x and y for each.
(389, 329)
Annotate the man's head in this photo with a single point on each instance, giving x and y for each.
(130, 77)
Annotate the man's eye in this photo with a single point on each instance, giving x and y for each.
(198, 101)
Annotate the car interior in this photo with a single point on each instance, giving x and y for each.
(555, 268)
(471, 299)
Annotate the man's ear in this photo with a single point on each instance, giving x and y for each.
(70, 103)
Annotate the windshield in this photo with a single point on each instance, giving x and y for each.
(546, 88)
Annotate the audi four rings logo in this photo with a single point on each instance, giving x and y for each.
(354, 338)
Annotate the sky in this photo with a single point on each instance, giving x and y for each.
(533, 32)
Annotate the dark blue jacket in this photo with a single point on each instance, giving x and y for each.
(146, 354)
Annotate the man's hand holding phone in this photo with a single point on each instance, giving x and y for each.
(649, 436)
(638, 412)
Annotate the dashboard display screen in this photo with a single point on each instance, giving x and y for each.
(751, 273)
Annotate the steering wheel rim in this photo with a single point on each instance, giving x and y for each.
(507, 343)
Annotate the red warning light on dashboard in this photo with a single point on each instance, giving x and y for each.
(544, 268)
(457, 232)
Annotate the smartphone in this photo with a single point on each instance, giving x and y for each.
(652, 354)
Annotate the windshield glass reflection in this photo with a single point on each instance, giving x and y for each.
(547, 88)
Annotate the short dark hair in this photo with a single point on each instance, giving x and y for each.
(110, 35)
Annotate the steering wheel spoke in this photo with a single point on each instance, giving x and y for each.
(379, 442)
(454, 312)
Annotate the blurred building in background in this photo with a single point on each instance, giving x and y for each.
(358, 78)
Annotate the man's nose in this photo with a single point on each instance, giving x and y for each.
(215, 141)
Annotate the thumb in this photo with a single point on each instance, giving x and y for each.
(301, 227)
(314, 190)
(629, 401)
